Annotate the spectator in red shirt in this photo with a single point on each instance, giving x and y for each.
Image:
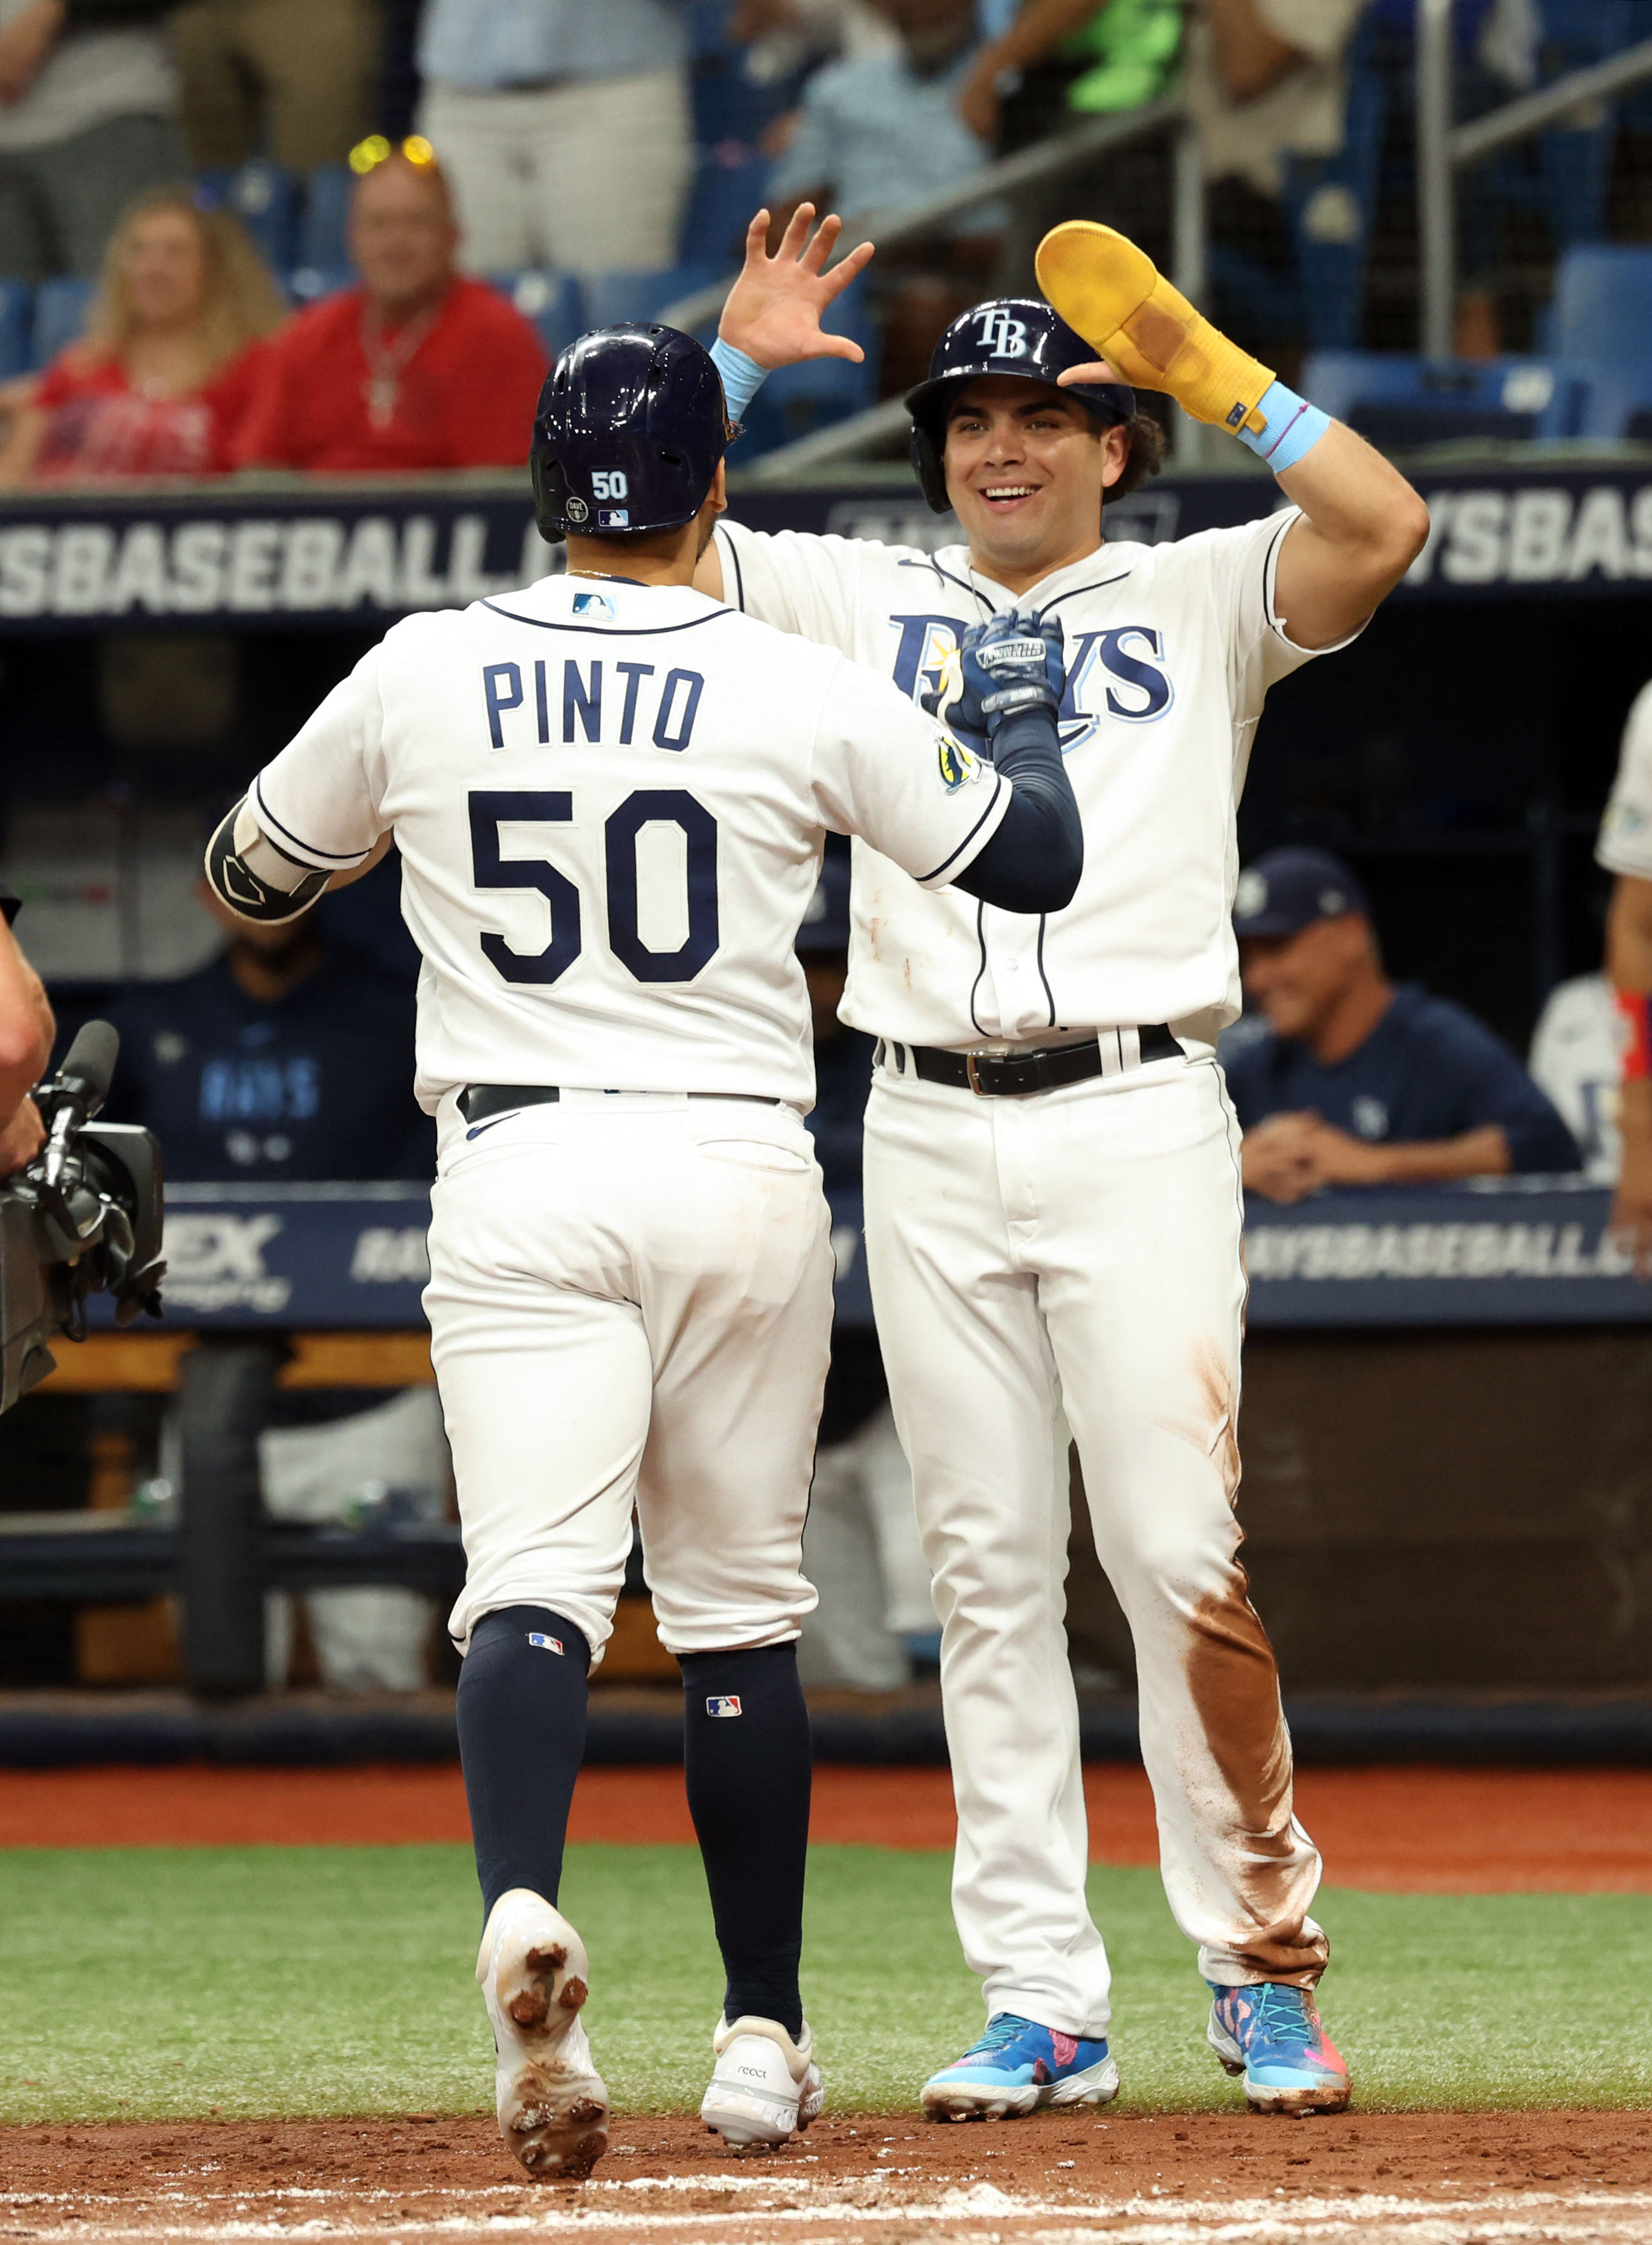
(164, 376)
(417, 367)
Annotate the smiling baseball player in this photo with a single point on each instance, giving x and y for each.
(609, 794)
(1052, 1196)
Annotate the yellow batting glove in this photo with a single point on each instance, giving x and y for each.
(1148, 333)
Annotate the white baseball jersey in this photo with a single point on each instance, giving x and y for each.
(609, 801)
(1625, 844)
(1577, 1058)
(1170, 651)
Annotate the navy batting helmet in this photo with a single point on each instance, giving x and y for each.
(630, 427)
(1018, 336)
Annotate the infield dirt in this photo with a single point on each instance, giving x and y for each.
(1442, 2177)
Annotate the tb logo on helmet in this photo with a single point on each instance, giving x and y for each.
(1000, 336)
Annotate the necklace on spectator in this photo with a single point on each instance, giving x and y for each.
(387, 362)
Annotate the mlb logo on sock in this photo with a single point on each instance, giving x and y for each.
(544, 1644)
(724, 1706)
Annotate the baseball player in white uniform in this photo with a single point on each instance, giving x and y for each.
(609, 794)
(1625, 850)
(1052, 1196)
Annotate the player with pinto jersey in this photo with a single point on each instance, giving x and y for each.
(1053, 1204)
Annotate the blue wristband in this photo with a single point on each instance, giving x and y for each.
(741, 377)
(1293, 427)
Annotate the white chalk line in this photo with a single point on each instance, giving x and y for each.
(1513, 2216)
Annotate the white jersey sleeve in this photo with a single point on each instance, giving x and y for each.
(1244, 564)
(320, 797)
(1625, 844)
(886, 772)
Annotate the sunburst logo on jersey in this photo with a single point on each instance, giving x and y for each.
(959, 766)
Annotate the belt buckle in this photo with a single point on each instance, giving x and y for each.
(973, 1075)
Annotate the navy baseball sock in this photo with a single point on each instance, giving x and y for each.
(522, 1732)
(747, 1761)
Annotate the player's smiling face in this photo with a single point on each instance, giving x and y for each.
(1025, 469)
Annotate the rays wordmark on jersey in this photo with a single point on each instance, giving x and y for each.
(1120, 671)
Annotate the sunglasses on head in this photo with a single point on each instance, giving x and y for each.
(367, 155)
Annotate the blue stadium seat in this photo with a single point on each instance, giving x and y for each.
(60, 307)
(727, 104)
(612, 297)
(1396, 400)
(730, 184)
(308, 284)
(1563, 174)
(321, 227)
(17, 317)
(263, 197)
(1601, 317)
(554, 301)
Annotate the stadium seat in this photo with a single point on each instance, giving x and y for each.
(730, 184)
(554, 301)
(263, 197)
(321, 226)
(1563, 174)
(728, 104)
(1601, 317)
(17, 316)
(615, 296)
(1397, 401)
(60, 307)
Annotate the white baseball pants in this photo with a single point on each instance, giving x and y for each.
(631, 1302)
(1080, 1249)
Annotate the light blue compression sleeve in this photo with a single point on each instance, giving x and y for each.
(742, 377)
(1293, 429)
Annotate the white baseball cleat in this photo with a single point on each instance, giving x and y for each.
(764, 2088)
(552, 2108)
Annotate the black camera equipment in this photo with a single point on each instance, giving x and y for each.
(83, 1218)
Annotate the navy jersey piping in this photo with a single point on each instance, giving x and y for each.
(733, 551)
(1074, 591)
(925, 879)
(609, 631)
(980, 972)
(1043, 921)
(1288, 517)
(338, 856)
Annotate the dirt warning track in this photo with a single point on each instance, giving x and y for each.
(1406, 1830)
(1431, 2178)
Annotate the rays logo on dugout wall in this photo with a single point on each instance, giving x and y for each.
(1123, 668)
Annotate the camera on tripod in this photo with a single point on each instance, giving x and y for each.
(84, 1217)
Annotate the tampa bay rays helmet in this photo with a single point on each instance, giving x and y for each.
(630, 426)
(1018, 336)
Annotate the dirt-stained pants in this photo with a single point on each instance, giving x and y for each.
(1080, 1249)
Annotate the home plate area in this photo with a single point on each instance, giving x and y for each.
(1431, 2178)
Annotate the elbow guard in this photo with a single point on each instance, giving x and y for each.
(257, 880)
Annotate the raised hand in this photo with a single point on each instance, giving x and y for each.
(774, 310)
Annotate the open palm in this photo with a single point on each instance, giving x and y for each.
(775, 308)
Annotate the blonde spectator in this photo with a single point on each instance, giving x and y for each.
(161, 381)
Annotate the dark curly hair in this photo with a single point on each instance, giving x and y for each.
(1146, 456)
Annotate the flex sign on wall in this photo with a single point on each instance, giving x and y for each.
(1583, 535)
(264, 563)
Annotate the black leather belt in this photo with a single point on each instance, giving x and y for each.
(478, 1100)
(1016, 1076)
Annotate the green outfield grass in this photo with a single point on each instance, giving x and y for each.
(151, 1983)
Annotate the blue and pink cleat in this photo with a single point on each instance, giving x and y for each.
(1271, 2034)
(1016, 2067)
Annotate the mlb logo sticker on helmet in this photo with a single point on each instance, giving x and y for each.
(545, 1644)
(726, 1705)
(613, 518)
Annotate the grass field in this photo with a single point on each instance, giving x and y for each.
(152, 1982)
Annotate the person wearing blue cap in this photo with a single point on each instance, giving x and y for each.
(1355, 1080)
